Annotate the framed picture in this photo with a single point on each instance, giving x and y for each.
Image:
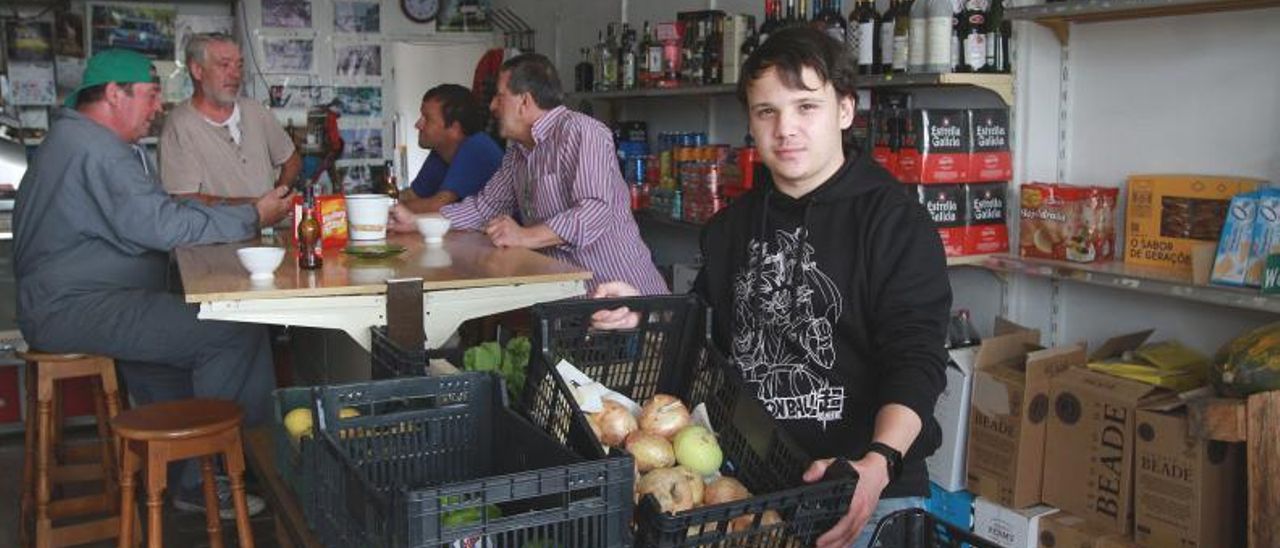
(146, 30)
(69, 34)
(286, 14)
(362, 143)
(191, 25)
(29, 41)
(357, 60)
(359, 101)
(464, 16)
(287, 96)
(357, 17)
(293, 55)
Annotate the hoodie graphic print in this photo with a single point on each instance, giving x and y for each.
(785, 310)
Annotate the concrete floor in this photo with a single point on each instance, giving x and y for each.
(183, 529)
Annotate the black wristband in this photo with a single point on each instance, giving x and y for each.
(892, 458)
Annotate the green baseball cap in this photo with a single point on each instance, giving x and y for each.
(121, 66)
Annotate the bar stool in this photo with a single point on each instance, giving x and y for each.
(154, 435)
(44, 444)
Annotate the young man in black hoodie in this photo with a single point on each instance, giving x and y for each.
(829, 285)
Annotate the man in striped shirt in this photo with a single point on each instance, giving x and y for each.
(560, 178)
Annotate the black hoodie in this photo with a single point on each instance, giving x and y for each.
(833, 305)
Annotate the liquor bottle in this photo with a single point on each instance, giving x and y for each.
(713, 55)
(791, 17)
(886, 26)
(654, 54)
(975, 39)
(607, 65)
(309, 257)
(644, 76)
(917, 50)
(833, 22)
(957, 48)
(772, 20)
(902, 36)
(584, 72)
(997, 42)
(390, 186)
(627, 58)
(938, 38)
(865, 36)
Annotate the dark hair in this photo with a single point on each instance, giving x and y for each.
(458, 104)
(533, 73)
(93, 94)
(790, 50)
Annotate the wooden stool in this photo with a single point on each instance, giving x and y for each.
(44, 444)
(163, 432)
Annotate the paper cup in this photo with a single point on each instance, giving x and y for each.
(367, 216)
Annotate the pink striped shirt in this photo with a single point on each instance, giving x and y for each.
(570, 182)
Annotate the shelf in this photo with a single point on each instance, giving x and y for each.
(1059, 16)
(969, 260)
(1001, 84)
(1149, 280)
(657, 218)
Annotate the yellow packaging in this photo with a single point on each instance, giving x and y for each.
(1167, 214)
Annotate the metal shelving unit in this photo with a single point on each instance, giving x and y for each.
(1059, 16)
(1001, 84)
(1153, 281)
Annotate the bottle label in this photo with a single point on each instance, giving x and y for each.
(916, 42)
(866, 43)
(836, 33)
(654, 61)
(886, 44)
(975, 48)
(901, 51)
(938, 52)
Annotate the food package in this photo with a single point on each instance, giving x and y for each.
(1232, 260)
(1067, 223)
(1266, 234)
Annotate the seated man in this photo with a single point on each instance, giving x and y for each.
(92, 234)
(463, 157)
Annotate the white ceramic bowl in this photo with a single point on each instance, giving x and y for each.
(433, 227)
(261, 262)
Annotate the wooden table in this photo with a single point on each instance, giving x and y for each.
(291, 525)
(464, 277)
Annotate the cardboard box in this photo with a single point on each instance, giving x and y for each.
(945, 204)
(989, 158)
(1007, 527)
(946, 465)
(1008, 408)
(938, 150)
(736, 28)
(1187, 491)
(954, 507)
(1167, 214)
(987, 230)
(1063, 530)
(331, 212)
(1091, 439)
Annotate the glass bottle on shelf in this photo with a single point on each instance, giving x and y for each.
(771, 21)
(974, 40)
(902, 36)
(833, 22)
(644, 70)
(865, 36)
(584, 72)
(938, 38)
(627, 58)
(884, 37)
(917, 42)
(608, 61)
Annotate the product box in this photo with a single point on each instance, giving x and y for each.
(1008, 408)
(1067, 222)
(331, 212)
(940, 151)
(1091, 439)
(1167, 214)
(1187, 491)
(954, 507)
(946, 464)
(1008, 527)
(945, 204)
(1232, 260)
(986, 231)
(1063, 530)
(1265, 239)
(736, 29)
(989, 158)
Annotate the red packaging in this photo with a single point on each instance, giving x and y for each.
(986, 231)
(331, 212)
(882, 149)
(989, 158)
(945, 204)
(941, 151)
(1067, 223)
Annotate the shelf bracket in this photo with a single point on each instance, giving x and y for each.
(1061, 28)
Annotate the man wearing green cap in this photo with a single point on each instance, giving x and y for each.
(92, 234)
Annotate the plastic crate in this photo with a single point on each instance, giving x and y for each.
(916, 528)
(670, 352)
(288, 457)
(426, 447)
(389, 360)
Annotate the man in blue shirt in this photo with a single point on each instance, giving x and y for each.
(463, 157)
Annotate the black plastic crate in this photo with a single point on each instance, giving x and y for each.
(916, 528)
(390, 360)
(670, 352)
(288, 457)
(424, 448)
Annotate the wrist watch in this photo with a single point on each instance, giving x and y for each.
(893, 458)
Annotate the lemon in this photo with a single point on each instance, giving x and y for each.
(298, 423)
(348, 412)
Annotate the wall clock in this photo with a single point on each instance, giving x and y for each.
(420, 11)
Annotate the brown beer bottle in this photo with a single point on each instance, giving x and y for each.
(309, 257)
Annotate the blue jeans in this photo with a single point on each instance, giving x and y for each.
(886, 507)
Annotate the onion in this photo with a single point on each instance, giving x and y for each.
(676, 489)
(650, 451)
(663, 415)
(615, 422)
(743, 523)
(725, 489)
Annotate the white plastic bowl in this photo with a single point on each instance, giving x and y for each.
(261, 262)
(433, 227)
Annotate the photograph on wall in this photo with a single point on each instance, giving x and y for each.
(68, 73)
(356, 60)
(298, 97)
(190, 25)
(361, 178)
(362, 143)
(356, 17)
(148, 30)
(286, 14)
(32, 83)
(287, 54)
(175, 81)
(34, 118)
(29, 41)
(359, 101)
(68, 34)
(464, 16)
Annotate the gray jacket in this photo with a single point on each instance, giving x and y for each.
(91, 217)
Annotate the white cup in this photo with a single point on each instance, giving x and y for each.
(367, 216)
(432, 226)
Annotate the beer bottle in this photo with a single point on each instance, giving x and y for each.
(390, 186)
(309, 257)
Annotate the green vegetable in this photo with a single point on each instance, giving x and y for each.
(509, 363)
(466, 516)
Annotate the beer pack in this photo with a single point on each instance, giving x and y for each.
(946, 206)
(935, 147)
(888, 110)
(985, 231)
(989, 157)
